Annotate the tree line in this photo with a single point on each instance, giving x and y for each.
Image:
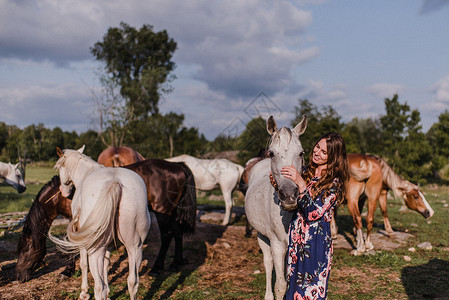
(136, 71)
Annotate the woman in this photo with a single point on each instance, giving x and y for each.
(321, 187)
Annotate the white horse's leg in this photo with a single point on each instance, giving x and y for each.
(107, 261)
(268, 263)
(278, 250)
(360, 243)
(227, 196)
(134, 261)
(84, 270)
(96, 266)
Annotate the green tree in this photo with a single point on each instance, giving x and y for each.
(252, 140)
(139, 62)
(404, 144)
(318, 122)
(438, 136)
(363, 136)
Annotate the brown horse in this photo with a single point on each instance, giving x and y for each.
(119, 156)
(172, 197)
(49, 203)
(370, 179)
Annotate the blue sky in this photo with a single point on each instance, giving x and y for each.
(235, 59)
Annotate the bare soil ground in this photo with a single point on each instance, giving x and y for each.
(218, 254)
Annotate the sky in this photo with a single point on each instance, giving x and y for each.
(235, 60)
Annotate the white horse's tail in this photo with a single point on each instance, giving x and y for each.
(99, 225)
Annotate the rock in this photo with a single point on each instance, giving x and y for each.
(425, 246)
(412, 249)
(226, 245)
(414, 224)
(407, 258)
(257, 272)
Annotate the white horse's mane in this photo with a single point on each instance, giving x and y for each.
(71, 158)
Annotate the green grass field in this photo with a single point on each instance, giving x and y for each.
(385, 275)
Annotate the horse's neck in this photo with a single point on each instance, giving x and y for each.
(83, 168)
(394, 181)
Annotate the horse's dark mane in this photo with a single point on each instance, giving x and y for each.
(36, 224)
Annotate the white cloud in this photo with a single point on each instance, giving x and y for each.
(385, 90)
(441, 90)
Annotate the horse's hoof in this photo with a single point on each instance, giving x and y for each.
(356, 252)
(84, 296)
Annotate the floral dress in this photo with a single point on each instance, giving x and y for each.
(310, 245)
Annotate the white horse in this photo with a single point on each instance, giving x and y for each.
(13, 175)
(108, 202)
(208, 173)
(267, 208)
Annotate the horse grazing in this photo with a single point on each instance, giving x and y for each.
(172, 197)
(268, 209)
(13, 175)
(31, 248)
(108, 203)
(119, 156)
(209, 173)
(370, 179)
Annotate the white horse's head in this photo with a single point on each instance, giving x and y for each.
(285, 149)
(68, 159)
(13, 176)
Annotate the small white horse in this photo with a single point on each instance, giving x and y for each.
(108, 202)
(13, 175)
(267, 208)
(208, 173)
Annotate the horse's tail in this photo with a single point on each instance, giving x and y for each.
(186, 209)
(99, 225)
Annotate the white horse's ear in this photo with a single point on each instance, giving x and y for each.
(271, 126)
(59, 152)
(80, 150)
(301, 126)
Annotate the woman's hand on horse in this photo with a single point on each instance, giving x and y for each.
(290, 172)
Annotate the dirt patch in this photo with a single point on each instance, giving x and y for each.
(221, 256)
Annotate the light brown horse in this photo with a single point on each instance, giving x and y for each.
(119, 156)
(370, 179)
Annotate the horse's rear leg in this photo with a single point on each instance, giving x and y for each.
(96, 266)
(383, 208)
(84, 270)
(165, 228)
(134, 262)
(268, 263)
(355, 189)
(179, 260)
(334, 228)
(227, 196)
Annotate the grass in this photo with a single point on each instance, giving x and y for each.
(385, 275)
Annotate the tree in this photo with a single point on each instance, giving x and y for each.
(318, 123)
(363, 136)
(253, 140)
(139, 62)
(404, 145)
(438, 136)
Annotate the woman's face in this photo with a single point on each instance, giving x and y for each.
(320, 153)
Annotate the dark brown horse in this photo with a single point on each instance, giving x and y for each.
(119, 156)
(370, 180)
(172, 197)
(49, 203)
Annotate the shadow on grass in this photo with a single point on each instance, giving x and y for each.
(429, 281)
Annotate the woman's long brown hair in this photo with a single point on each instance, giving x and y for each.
(337, 166)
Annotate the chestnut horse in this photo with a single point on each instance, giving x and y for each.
(31, 248)
(119, 156)
(370, 179)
